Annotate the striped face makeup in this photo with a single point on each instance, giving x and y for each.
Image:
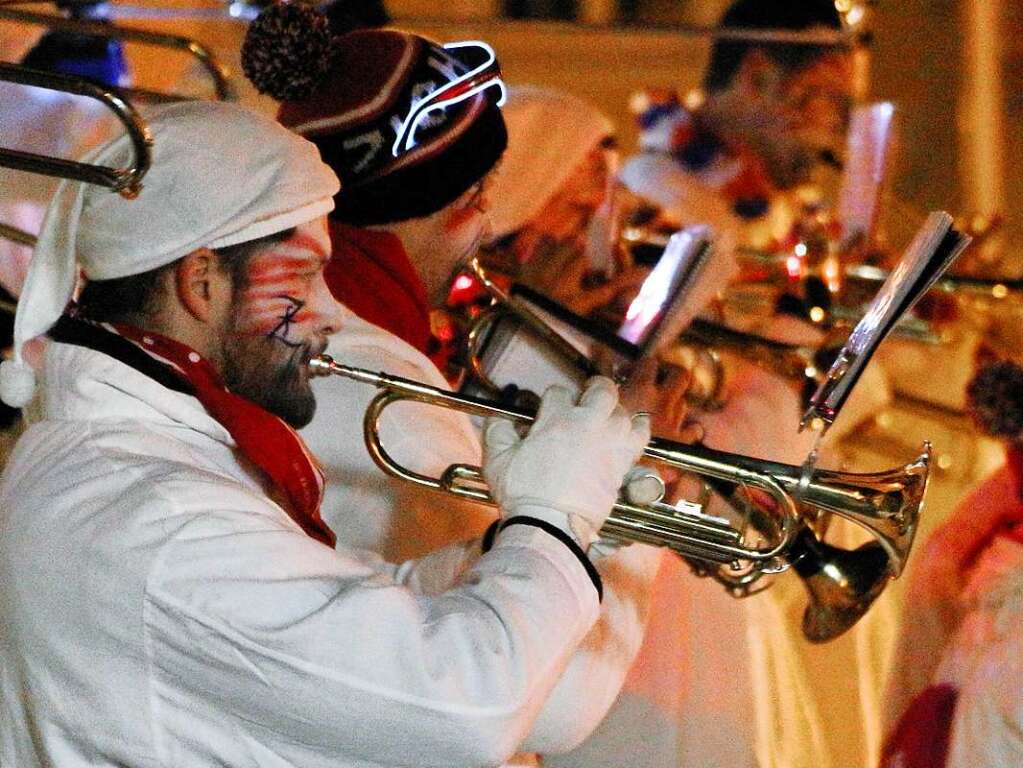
(282, 314)
(446, 240)
(274, 302)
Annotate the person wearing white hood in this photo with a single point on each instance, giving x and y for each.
(554, 204)
(552, 185)
(170, 593)
(724, 709)
(953, 697)
(768, 114)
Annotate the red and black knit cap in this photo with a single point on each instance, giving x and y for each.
(352, 94)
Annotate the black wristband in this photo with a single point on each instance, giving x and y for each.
(565, 539)
(489, 535)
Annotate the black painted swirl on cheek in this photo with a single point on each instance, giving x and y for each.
(282, 330)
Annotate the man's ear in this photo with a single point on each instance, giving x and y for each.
(758, 75)
(201, 285)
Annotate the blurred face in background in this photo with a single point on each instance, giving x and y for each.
(817, 101)
(789, 118)
(589, 187)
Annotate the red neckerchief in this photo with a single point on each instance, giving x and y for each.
(264, 439)
(922, 736)
(370, 273)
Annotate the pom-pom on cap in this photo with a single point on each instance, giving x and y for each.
(287, 51)
(995, 399)
(17, 383)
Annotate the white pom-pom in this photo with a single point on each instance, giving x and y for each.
(17, 383)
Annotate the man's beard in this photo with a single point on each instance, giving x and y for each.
(273, 375)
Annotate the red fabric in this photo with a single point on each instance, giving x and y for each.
(1014, 460)
(752, 182)
(371, 274)
(1009, 522)
(922, 736)
(266, 440)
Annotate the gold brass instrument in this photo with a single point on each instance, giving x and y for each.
(773, 270)
(993, 288)
(825, 311)
(126, 181)
(841, 584)
(698, 350)
(505, 302)
(219, 77)
(842, 279)
(702, 342)
(15, 235)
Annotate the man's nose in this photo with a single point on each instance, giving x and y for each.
(329, 314)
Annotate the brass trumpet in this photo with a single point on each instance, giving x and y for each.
(127, 181)
(842, 585)
(993, 288)
(506, 303)
(699, 350)
(15, 235)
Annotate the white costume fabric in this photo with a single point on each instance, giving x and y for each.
(160, 610)
(984, 661)
(697, 694)
(686, 198)
(365, 507)
(973, 645)
(361, 503)
(549, 133)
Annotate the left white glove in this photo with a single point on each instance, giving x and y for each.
(642, 486)
(570, 466)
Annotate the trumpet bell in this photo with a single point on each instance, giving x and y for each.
(895, 500)
(842, 584)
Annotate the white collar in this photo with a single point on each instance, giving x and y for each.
(86, 385)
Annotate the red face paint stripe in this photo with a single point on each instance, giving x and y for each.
(274, 292)
(310, 243)
(263, 274)
(284, 263)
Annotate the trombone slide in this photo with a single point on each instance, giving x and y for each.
(127, 181)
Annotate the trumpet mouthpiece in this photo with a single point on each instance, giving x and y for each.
(321, 365)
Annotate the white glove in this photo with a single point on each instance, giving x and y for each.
(642, 486)
(570, 466)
